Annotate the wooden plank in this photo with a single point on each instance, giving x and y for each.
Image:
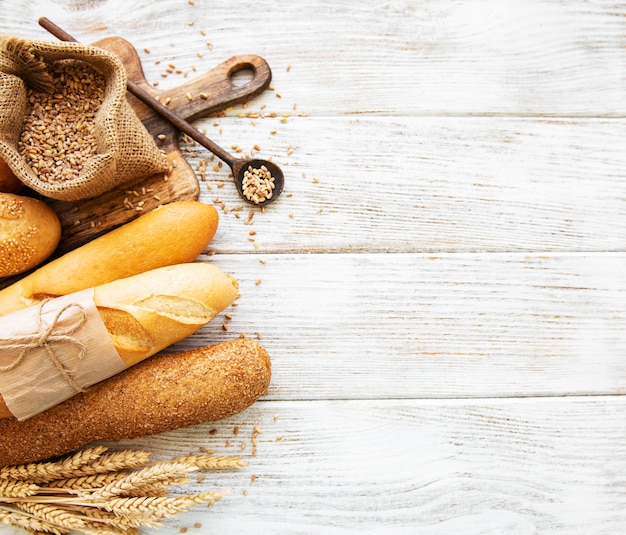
(515, 466)
(420, 325)
(427, 184)
(406, 57)
(494, 268)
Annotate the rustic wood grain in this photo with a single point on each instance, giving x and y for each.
(441, 286)
(407, 184)
(385, 326)
(393, 58)
(493, 466)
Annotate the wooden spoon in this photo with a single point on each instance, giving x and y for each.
(239, 166)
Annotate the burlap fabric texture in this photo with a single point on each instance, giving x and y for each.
(125, 150)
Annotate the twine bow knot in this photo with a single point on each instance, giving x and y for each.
(45, 337)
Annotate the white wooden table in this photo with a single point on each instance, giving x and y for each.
(442, 287)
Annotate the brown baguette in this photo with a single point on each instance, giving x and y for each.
(161, 394)
(171, 234)
(148, 312)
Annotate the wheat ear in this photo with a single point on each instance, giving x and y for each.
(44, 472)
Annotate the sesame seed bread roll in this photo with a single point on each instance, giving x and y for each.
(29, 233)
(161, 394)
(171, 234)
(148, 312)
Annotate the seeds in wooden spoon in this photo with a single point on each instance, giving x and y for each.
(258, 184)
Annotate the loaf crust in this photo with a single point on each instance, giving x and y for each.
(171, 234)
(163, 393)
(150, 311)
(29, 233)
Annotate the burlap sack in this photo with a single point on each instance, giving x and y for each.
(122, 148)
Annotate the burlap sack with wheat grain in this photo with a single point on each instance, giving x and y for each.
(121, 150)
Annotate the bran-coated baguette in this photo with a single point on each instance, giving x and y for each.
(174, 233)
(148, 312)
(163, 393)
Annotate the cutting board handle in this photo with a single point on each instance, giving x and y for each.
(206, 93)
(215, 90)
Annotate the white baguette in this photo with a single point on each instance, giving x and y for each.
(150, 311)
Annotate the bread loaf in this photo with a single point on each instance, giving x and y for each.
(29, 233)
(150, 311)
(161, 394)
(9, 183)
(171, 234)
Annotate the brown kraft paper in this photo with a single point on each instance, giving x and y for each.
(51, 351)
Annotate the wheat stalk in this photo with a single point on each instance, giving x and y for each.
(209, 462)
(156, 489)
(17, 489)
(29, 523)
(149, 475)
(159, 507)
(101, 493)
(57, 516)
(43, 472)
(77, 485)
(113, 462)
(96, 516)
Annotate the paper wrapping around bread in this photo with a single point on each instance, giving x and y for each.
(146, 313)
(163, 393)
(52, 351)
(174, 233)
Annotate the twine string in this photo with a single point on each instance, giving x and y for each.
(45, 337)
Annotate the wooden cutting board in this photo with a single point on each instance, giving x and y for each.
(84, 220)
